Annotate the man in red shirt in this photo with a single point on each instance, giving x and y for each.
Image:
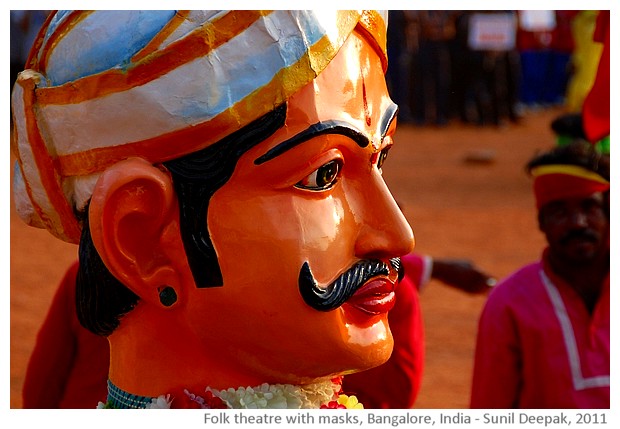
(543, 338)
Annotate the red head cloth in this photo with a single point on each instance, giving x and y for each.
(556, 182)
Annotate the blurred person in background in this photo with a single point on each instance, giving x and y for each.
(560, 66)
(545, 42)
(591, 119)
(398, 75)
(534, 37)
(543, 337)
(486, 68)
(596, 106)
(584, 60)
(471, 96)
(431, 88)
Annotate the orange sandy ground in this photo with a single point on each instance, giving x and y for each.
(478, 210)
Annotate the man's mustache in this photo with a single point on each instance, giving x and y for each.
(580, 234)
(339, 291)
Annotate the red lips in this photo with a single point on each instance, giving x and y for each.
(374, 297)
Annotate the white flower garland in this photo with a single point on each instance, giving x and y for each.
(276, 396)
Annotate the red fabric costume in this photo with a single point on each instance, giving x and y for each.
(596, 113)
(68, 367)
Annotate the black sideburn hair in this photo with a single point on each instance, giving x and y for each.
(101, 299)
(197, 176)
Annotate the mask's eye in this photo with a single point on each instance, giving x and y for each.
(381, 156)
(322, 178)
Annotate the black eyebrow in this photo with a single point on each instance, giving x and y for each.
(320, 128)
(329, 127)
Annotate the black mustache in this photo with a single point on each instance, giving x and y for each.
(580, 234)
(334, 295)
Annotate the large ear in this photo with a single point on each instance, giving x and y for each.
(134, 224)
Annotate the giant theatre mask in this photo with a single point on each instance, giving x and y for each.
(302, 235)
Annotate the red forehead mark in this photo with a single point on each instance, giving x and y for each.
(365, 100)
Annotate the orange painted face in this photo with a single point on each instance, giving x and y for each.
(309, 203)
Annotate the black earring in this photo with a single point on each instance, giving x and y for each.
(167, 296)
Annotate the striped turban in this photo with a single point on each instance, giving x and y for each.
(102, 86)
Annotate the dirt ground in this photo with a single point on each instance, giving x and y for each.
(481, 209)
